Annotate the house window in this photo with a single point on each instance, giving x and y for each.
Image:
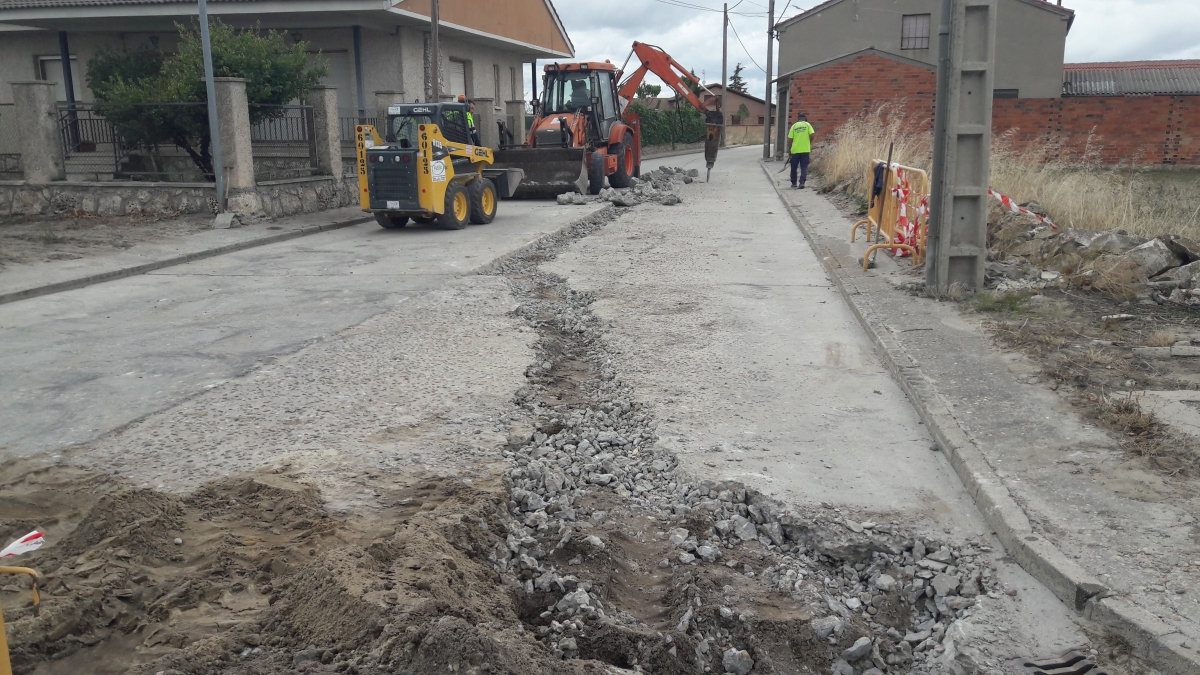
(458, 79)
(50, 68)
(1006, 93)
(762, 120)
(914, 33)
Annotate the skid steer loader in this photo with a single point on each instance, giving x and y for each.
(425, 169)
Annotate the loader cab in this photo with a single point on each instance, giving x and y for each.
(404, 121)
(582, 88)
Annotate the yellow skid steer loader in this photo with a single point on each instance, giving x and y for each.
(425, 168)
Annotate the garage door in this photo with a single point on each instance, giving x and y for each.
(457, 78)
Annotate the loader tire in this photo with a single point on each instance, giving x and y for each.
(458, 208)
(596, 173)
(482, 194)
(389, 222)
(626, 169)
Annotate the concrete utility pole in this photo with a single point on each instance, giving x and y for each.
(957, 245)
(435, 58)
(767, 97)
(724, 72)
(214, 128)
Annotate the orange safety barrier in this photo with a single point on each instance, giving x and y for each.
(899, 216)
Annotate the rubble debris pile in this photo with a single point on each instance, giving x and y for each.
(660, 186)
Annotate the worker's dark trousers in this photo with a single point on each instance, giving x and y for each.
(799, 159)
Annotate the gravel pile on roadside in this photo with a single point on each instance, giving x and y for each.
(660, 186)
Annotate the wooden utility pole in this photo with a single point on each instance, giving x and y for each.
(770, 54)
(724, 72)
(435, 57)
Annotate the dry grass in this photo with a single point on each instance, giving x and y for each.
(847, 157)
(1162, 338)
(1076, 190)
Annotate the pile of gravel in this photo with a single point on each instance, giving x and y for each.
(660, 186)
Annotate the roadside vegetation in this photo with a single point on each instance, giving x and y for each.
(1076, 191)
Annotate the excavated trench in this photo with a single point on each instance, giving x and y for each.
(592, 552)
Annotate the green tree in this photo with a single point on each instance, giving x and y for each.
(646, 90)
(743, 112)
(736, 82)
(125, 81)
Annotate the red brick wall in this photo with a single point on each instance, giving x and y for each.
(1140, 130)
(1131, 129)
(839, 91)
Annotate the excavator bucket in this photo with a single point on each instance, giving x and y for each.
(549, 172)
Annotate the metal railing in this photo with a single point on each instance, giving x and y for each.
(95, 146)
(283, 138)
(10, 140)
(348, 118)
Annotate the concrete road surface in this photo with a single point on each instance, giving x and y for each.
(79, 364)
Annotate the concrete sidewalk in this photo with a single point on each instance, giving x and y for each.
(1108, 535)
(30, 281)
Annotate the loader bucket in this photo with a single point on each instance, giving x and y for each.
(549, 172)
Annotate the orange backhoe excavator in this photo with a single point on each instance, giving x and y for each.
(584, 131)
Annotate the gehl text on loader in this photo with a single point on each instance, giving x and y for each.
(425, 169)
(584, 131)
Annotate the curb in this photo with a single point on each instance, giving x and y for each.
(1150, 638)
(113, 275)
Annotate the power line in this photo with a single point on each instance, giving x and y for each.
(743, 44)
(686, 5)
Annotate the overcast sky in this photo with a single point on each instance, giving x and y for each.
(1104, 30)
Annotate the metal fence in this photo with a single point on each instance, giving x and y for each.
(348, 118)
(283, 139)
(10, 140)
(95, 148)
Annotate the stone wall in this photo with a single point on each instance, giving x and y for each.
(271, 199)
(109, 198)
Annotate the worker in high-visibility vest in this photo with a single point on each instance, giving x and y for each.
(470, 118)
(800, 136)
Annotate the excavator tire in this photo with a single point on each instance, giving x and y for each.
(596, 173)
(623, 178)
(390, 222)
(458, 208)
(481, 192)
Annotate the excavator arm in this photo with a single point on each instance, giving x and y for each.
(655, 60)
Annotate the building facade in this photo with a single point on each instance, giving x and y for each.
(368, 46)
(844, 57)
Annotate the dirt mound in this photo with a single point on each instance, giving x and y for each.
(137, 520)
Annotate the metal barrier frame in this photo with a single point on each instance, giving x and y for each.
(887, 215)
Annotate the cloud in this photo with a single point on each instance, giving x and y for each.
(1127, 30)
(1104, 30)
